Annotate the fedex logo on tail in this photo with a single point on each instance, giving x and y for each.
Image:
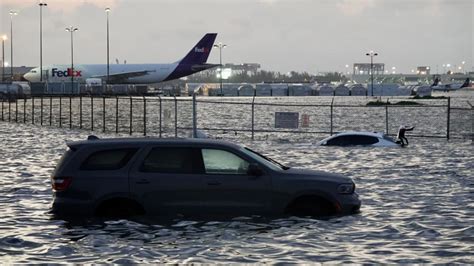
(201, 50)
(66, 73)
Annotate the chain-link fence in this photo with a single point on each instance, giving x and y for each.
(242, 117)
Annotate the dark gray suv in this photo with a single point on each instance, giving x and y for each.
(190, 176)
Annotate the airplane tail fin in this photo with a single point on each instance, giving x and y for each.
(466, 83)
(200, 52)
(436, 82)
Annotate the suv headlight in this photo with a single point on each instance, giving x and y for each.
(346, 188)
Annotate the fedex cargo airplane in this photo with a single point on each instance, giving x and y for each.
(193, 62)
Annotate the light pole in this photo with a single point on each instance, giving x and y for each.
(4, 38)
(41, 5)
(71, 29)
(12, 13)
(107, 10)
(220, 46)
(372, 54)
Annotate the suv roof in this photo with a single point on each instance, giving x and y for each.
(149, 140)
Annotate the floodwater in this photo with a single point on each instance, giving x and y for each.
(417, 207)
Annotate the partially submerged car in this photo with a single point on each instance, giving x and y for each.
(359, 138)
(190, 176)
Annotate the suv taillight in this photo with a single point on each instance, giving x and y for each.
(60, 183)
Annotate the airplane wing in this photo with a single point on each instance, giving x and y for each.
(201, 67)
(119, 77)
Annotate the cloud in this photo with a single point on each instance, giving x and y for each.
(58, 5)
(434, 8)
(354, 7)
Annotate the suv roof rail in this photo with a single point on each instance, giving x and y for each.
(92, 137)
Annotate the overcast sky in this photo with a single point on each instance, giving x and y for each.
(281, 35)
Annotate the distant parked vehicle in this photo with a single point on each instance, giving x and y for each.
(359, 138)
(14, 90)
(190, 176)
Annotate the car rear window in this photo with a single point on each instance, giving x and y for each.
(112, 159)
(176, 160)
(349, 140)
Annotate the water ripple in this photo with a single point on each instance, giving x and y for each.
(417, 208)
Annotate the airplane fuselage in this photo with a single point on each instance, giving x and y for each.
(62, 73)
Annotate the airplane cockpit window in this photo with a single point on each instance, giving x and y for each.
(33, 71)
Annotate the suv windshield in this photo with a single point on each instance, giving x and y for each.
(265, 160)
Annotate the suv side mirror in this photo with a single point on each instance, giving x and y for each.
(254, 170)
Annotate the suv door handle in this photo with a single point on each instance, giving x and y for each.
(142, 182)
(213, 183)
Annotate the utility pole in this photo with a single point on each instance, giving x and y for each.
(372, 54)
(41, 5)
(71, 29)
(220, 46)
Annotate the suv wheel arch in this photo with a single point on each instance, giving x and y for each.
(312, 205)
(119, 207)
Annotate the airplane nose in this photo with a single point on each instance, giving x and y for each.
(29, 77)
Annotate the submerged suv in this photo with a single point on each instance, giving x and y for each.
(190, 176)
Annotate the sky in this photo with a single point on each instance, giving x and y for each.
(281, 35)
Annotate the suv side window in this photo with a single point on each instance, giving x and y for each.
(223, 162)
(176, 160)
(112, 159)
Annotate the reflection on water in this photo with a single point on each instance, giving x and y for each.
(418, 207)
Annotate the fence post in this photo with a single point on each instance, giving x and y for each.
(24, 111)
(50, 110)
(92, 113)
(332, 103)
(144, 116)
(131, 115)
(70, 110)
(116, 114)
(175, 116)
(253, 118)
(103, 113)
(60, 110)
(16, 110)
(33, 110)
(80, 111)
(472, 121)
(160, 115)
(41, 112)
(449, 114)
(194, 116)
(386, 119)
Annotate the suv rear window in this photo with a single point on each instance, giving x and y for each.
(108, 159)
